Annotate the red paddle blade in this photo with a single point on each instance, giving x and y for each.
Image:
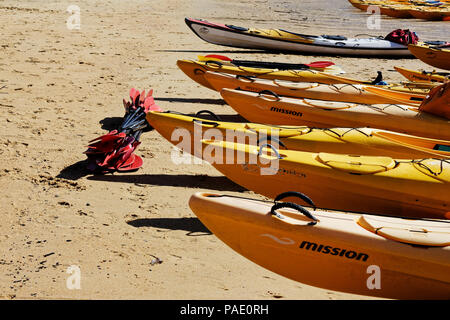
(134, 162)
(150, 105)
(125, 153)
(142, 97)
(133, 94)
(112, 135)
(320, 64)
(218, 56)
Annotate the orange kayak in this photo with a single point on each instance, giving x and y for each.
(432, 55)
(269, 109)
(336, 92)
(354, 253)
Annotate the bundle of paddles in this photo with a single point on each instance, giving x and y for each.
(115, 150)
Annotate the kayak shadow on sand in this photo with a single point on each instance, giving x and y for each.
(249, 51)
(199, 181)
(111, 123)
(292, 53)
(192, 225)
(75, 171)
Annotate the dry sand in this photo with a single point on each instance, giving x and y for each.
(65, 87)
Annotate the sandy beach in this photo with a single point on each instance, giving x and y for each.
(132, 235)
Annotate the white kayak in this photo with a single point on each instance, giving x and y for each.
(282, 40)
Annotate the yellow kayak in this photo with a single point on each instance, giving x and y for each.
(400, 11)
(365, 4)
(423, 76)
(432, 55)
(354, 253)
(269, 109)
(431, 13)
(362, 141)
(406, 9)
(196, 70)
(378, 185)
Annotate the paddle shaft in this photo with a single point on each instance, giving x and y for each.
(270, 65)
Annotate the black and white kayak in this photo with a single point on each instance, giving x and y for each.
(281, 40)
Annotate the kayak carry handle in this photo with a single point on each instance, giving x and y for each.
(217, 64)
(294, 206)
(269, 139)
(271, 147)
(237, 28)
(206, 123)
(240, 76)
(199, 72)
(269, 92)
(299, 195)
(212, 114)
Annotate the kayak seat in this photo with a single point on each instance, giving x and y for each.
(236, 27)
(442, 147)
(435, 43)
(330, 37)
